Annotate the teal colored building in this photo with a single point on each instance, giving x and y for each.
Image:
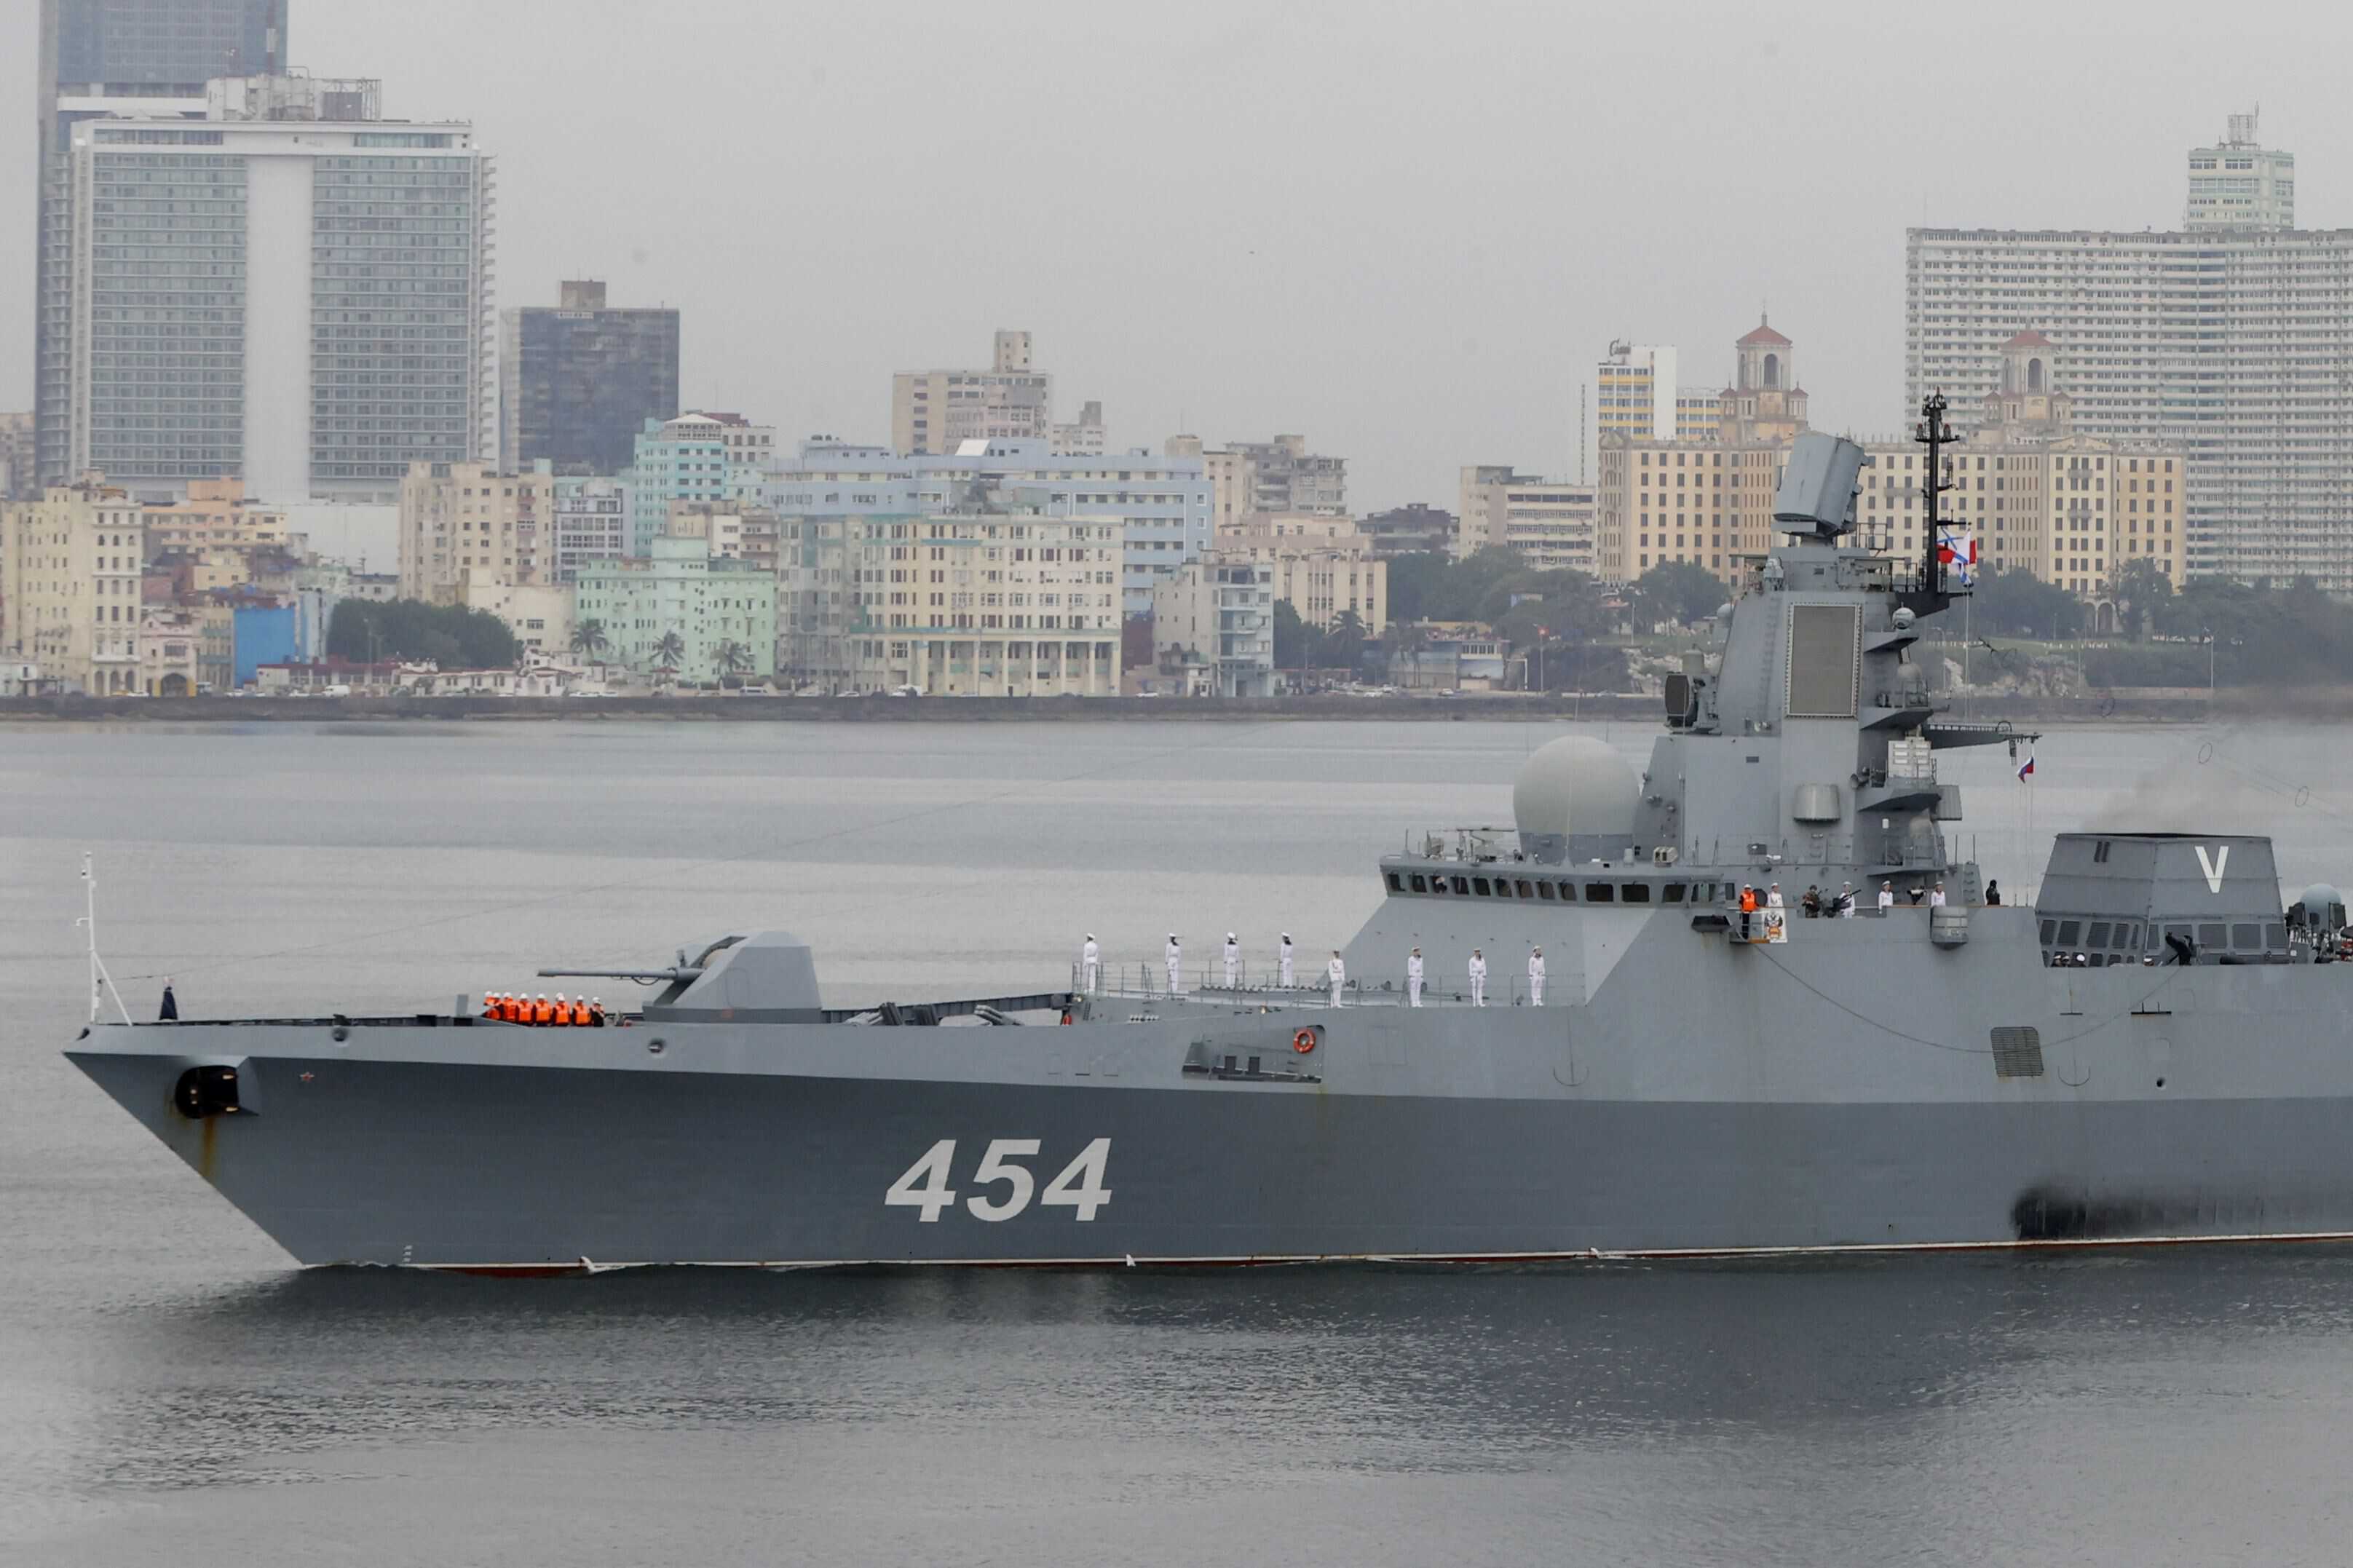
(713, 606)
(710, 457)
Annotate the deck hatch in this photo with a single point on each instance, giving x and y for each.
(2018, 1052)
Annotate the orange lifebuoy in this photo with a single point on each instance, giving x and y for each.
(1304, 1041)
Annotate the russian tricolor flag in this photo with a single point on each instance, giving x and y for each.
(2026, 768)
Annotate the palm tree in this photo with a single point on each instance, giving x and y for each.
(734, 657)
(669, 654)
(588, 639)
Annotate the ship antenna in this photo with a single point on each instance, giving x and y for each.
(1932, 434)
(102, 984)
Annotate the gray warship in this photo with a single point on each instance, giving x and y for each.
(2156, 1050)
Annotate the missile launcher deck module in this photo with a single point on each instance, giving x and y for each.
(2155, 1050)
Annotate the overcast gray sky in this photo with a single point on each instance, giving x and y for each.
(1405, 230)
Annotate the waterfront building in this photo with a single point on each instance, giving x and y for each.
(467, 521)
(723, 613)
(592, 522)
(1161, 505)
(1414, 529)
(345, 336)
(1321, 566)
(999, 598)
(2223, 341)
(1549, 523)
(1213, 626)
(1636, 396)
(540, 615)
(94, 59)
(935, 412)
(705, 457)
(579, 380)
(171, 639)
(70, 587)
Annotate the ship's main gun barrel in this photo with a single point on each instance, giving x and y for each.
(686, 972)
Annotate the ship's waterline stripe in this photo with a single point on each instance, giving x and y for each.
(1251, 1260)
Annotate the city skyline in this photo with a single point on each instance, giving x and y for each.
(1401, 329)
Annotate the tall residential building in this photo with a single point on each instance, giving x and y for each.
(2240, 183)
(591, 523)
(466, 522)
(16, 456)
(1547, 522)
(723, 613)
(70, 567)
(95, 58)
(1637, 395)
(936, 411)
(292, 290)
(1083, 438)
(996, 597)
(695, 457)
(1162, 504)
(578, 382)
(1281, 475)
(1213, 622)
(2226, 343)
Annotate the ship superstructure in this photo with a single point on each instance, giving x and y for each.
(2155, 1051)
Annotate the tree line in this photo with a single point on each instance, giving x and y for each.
(366, 631)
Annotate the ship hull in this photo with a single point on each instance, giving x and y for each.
(526, 1168)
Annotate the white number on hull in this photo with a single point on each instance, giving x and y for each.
(1087, 1169)
(932, 1170)
(993, 1168)
(1080, 1188)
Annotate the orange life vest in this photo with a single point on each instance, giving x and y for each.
(490, 1005)
(1747, 900)
(579, 1018)
(507, 1011)
(539, 1011)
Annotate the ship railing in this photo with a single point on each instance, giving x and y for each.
(1148, 984)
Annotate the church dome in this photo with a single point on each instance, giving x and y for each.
(1575, 800)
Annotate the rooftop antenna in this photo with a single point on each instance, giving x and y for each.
(102, 984)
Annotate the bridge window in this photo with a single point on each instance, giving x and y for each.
(2099, 935)
(2275, 937)
(1394, 885)
(1544, 891)
(1463, 885)
(1672, 893)
(1527, 891)
(2070, 933)
(2049, 933)
(2211, 936)
(1478, 886)
(1420, 883)
(1600, 893)
(2246, 937)
(1638, 892)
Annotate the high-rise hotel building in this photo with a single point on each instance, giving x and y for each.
(93, 59)
(2225, 339)
(292, 291)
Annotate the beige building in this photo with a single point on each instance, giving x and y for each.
(171, 643)
(539, 614)
(1213, 628)
(1004, 603)
(1550, 523)
(69, 587)
(461, 521)
(217, 516)
(1322, 565)
(935, 410)
(1277, 476)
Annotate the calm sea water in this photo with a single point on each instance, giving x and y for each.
(171, 1391)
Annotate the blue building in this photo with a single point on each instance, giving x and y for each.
(265, 634)
(1165, 504)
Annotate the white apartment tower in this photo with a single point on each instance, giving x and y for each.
(2240, 184)
(2224, 340)
(292, 290)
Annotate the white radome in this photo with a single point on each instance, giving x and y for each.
(1576, 786)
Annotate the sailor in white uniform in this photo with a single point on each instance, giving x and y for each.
(1413, 978)
(1233, 960)
(1090, 963)
(1535, 978)
(1773, 898)
(1886, 897)
(1283, 959)
(1936, 897)
(1478, 978)
(1337, 972)
(1847, 902)
(1175, 957)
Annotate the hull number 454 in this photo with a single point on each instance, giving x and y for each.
(1079, 1188)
